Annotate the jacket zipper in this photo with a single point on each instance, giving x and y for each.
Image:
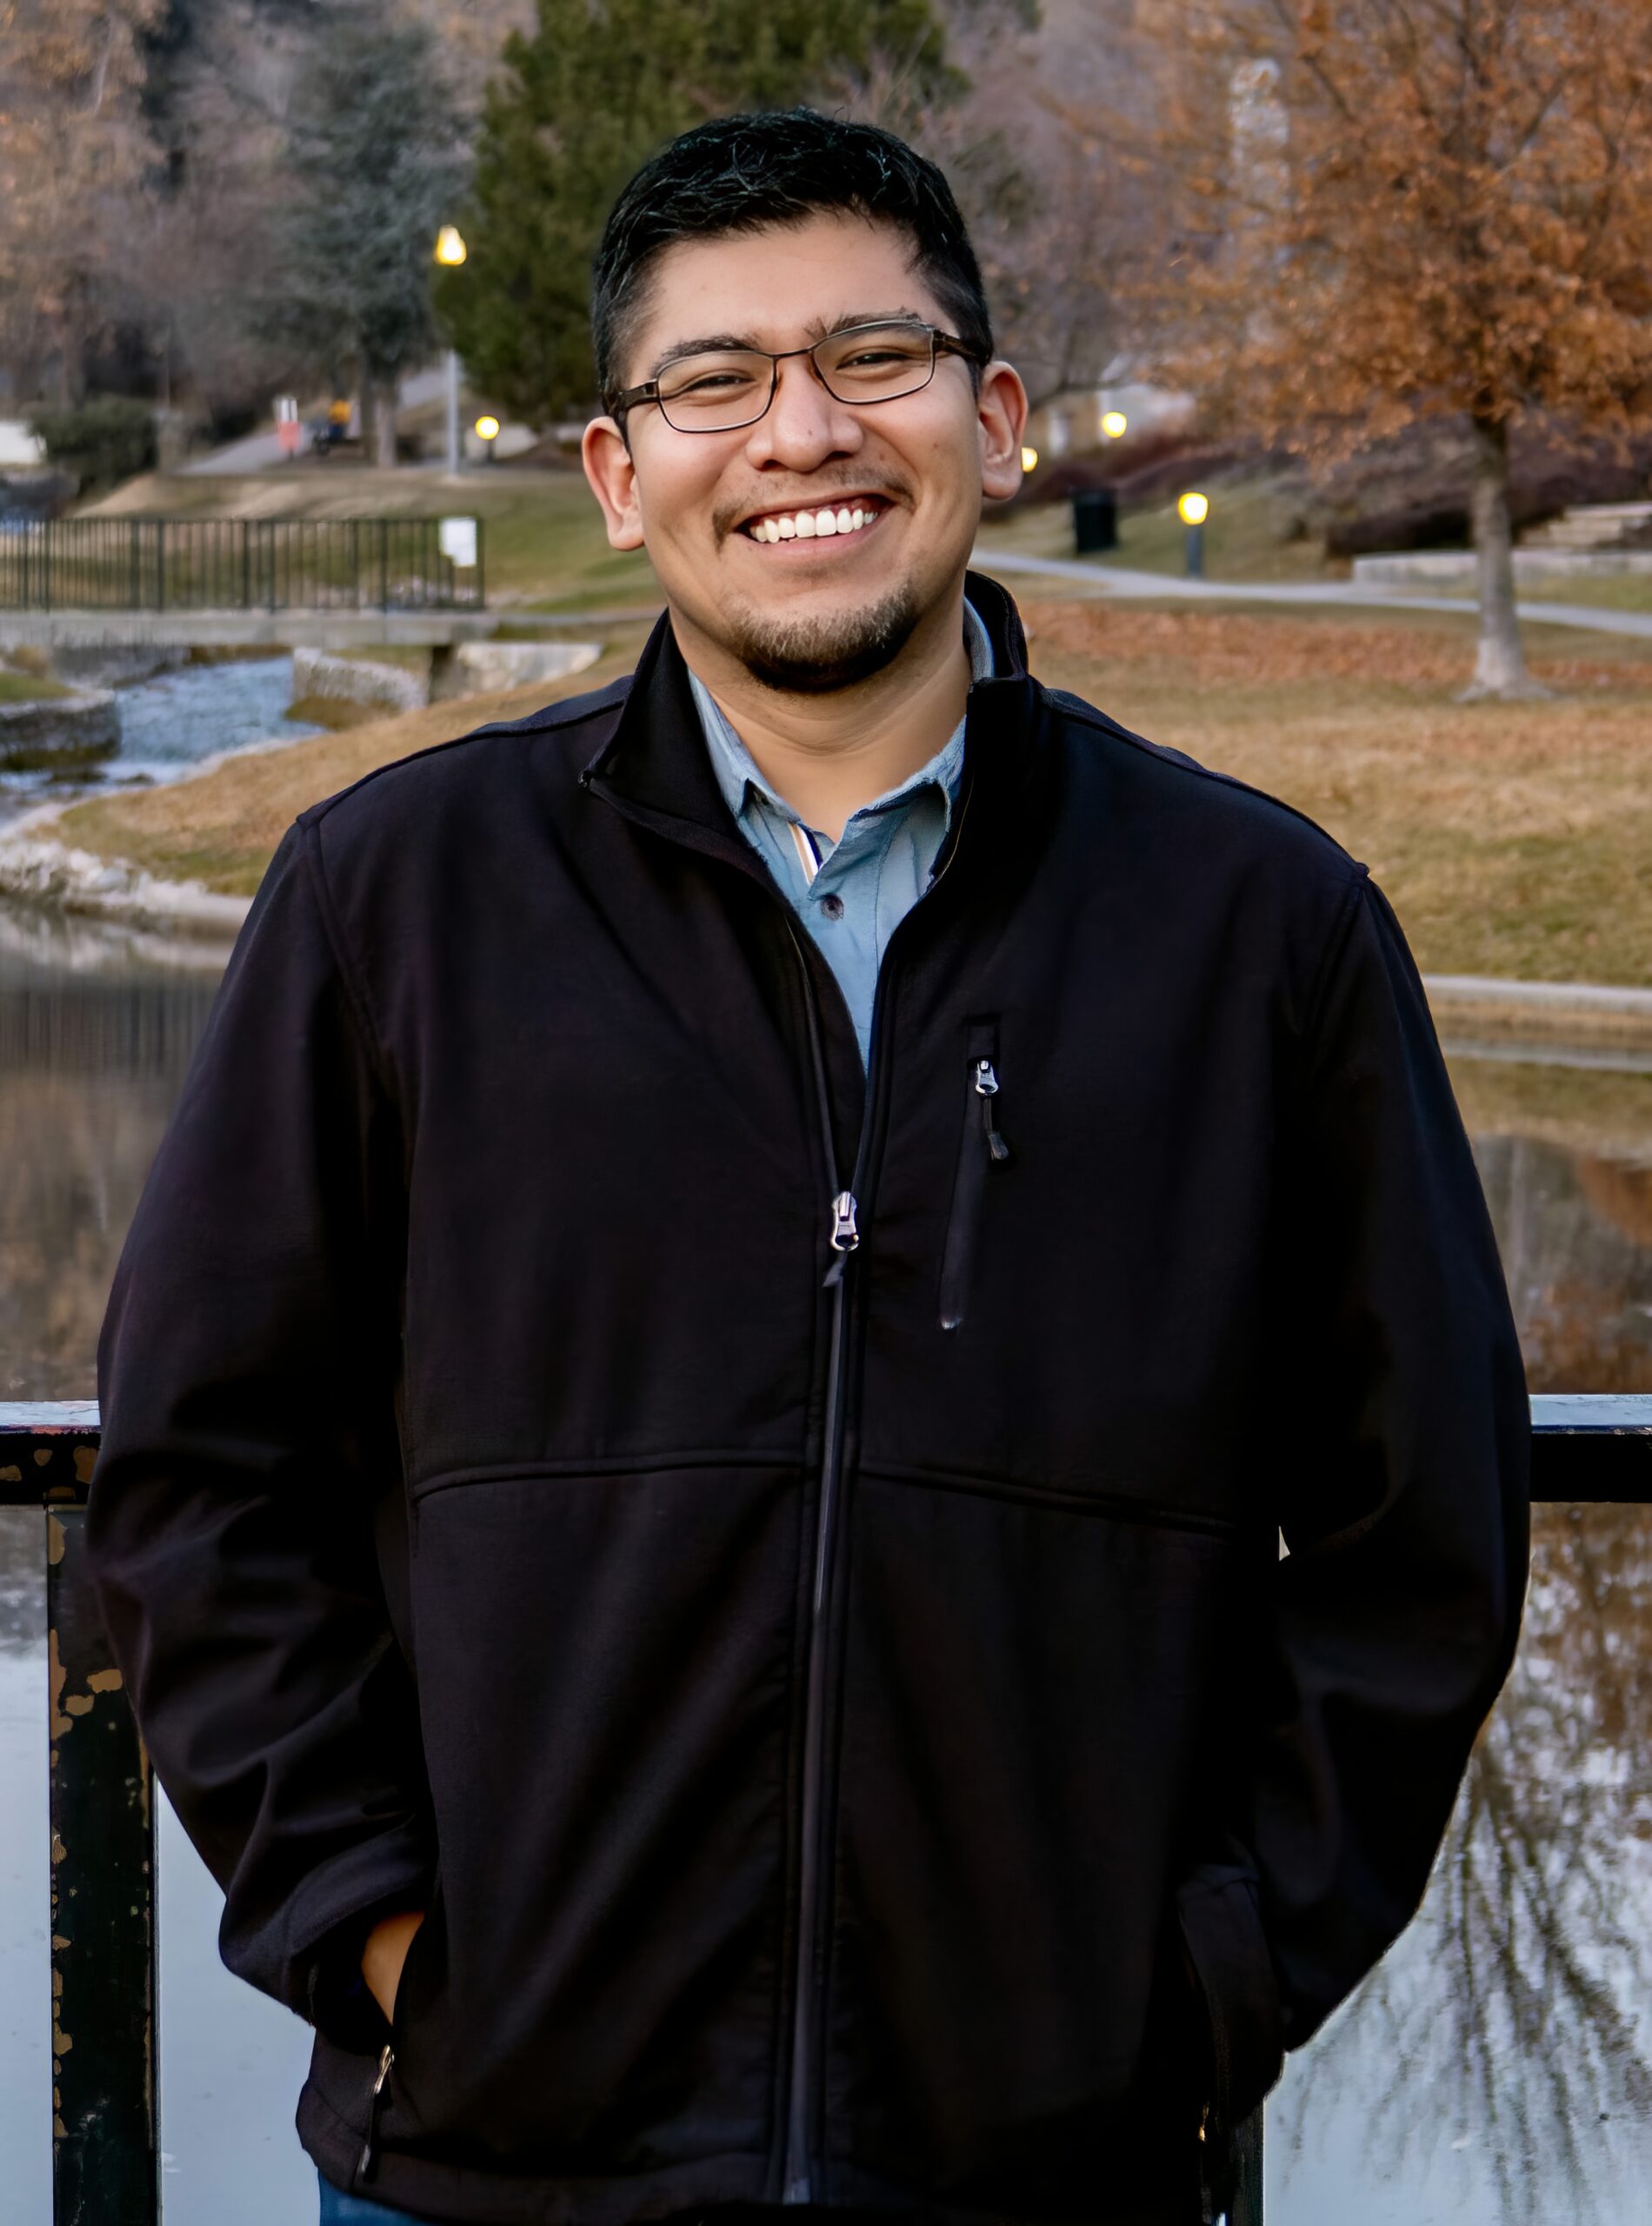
(796, 2177)
(369, 2147)
(843, 1238)
(983, 1147)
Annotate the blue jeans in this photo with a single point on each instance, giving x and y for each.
(338, 2208)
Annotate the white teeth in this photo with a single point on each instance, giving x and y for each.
(810, 525)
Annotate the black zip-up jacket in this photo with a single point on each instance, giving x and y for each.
(786, 1564)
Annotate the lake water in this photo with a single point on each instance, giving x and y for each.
(1497, 2069)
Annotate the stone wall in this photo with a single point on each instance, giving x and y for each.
(318, 675)
(49, 731)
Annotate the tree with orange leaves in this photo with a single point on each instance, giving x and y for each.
(74, 145)
(1383, 210)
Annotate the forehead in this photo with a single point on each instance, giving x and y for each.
(776, 287)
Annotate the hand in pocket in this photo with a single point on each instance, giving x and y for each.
(385, 1953)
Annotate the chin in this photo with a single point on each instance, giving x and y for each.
(816, 653)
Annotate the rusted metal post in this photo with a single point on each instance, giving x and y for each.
(1245, 2208)
(105, 2144)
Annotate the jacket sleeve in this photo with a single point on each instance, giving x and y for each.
(1399, 1431)
(247, 1373)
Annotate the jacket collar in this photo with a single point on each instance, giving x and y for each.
(656, 767)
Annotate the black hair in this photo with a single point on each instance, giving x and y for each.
(743, 173)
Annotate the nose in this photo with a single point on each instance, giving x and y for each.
(803, 426)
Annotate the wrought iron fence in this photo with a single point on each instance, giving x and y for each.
(163, 564)
(106, 2145)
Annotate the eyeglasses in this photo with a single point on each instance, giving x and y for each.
(721, 388)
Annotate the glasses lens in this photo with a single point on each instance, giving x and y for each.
(707, 394)
(875, 362)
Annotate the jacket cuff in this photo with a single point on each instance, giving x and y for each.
(1222, 1926)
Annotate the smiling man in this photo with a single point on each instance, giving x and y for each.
(701, 1405)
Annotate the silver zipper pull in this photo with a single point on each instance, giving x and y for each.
(986, 1091)
(386, 2058)
(844, 1238)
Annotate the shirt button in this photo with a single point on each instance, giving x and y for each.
(832, 905)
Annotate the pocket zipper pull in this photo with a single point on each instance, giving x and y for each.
(986, 1091)
(386, 2058)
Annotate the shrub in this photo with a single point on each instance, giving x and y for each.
(102, 442)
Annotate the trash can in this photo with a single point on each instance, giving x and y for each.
(1094, 520)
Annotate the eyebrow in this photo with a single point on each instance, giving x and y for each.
(819, 329)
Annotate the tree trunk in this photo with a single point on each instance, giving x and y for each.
(384, 423)
(1499, 667)
(369, 416)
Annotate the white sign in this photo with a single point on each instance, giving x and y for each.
(457, 541)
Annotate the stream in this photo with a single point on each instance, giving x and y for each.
(168, 724)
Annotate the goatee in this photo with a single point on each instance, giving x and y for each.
(814, 656)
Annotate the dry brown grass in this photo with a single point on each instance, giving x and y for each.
(1514, 840)
(220, 827)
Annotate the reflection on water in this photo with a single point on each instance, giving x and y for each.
(1494, 2072)
(96, 1025)
(95, 1034)
(1497, 2069)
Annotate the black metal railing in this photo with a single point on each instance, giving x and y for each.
(162, 564)
(106, 2146)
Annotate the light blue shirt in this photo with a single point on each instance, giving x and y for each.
(851, 894)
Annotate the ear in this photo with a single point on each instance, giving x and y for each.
(1003, 407)
(613, 478)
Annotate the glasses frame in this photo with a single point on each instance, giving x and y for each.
(941, 343)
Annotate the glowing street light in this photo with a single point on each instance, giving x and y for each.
(1116, 424)
(450, 253)
(1192, 511)
(1029, 459)
(488, 430)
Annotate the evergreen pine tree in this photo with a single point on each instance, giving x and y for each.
(584, 101)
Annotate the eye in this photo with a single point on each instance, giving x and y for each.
(708, 383)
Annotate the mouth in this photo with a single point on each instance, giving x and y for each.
(848, 518)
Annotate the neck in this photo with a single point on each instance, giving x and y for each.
(828, 755)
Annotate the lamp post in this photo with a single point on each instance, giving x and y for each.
(1116, 424)
(488, 431)
(1192, 511)
(451, 251)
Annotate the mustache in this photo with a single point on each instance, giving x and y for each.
(727, 517)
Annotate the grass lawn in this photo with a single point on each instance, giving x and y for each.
(1242, 538)
(1516, 841)
(544, 545)
(27, 688)
(219, 827)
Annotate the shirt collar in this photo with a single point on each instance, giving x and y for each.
(736, 770)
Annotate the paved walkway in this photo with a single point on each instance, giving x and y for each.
(260, 451)
(1122, 581)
